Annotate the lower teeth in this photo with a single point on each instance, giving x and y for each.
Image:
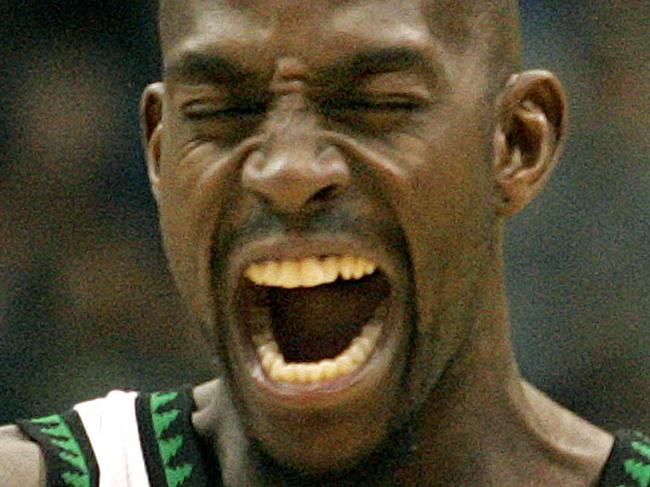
(348, 361)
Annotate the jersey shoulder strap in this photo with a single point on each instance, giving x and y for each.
(68, 454)
(175, 456)
(629, 462)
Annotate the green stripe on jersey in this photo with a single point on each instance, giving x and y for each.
(59, 434)
(168, 447)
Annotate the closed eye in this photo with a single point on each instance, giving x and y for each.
(385, 105)
(379, 104)
(204, 111)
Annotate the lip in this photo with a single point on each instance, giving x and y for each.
(294, 247)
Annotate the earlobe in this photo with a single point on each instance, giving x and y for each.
(530, 133)
(151, 123)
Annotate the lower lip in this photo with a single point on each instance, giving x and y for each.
(327, 386)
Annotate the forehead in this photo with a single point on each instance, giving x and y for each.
(257, 32)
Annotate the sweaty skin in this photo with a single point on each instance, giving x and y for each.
(391, 130)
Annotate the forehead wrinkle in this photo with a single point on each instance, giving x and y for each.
(218, 26)
(395, 25)
(486, 30)
(449, 23)
(229, 28)
(449, 20)
(391, 22)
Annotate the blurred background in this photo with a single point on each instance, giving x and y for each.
(86, 301)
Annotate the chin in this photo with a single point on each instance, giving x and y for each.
(331, 450)
(316, 333)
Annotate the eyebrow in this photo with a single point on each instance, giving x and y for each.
(199, 65)
(381, 60)
(388, 59)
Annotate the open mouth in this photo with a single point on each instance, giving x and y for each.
(314, 320)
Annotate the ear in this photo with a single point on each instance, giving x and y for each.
(151, 105)
(530, 133)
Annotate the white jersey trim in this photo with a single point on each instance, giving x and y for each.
(112, 429)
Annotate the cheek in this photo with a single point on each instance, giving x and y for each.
(450, 186)
(184, 169)
(193, 178)
(447, 216)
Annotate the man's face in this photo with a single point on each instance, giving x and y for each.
(326, 203)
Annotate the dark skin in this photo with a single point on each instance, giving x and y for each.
(290, 129)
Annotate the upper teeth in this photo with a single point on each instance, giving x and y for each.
(309, 272)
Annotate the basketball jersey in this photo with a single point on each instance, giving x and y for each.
(130, 439)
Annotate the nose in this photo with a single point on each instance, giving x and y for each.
(293, 175)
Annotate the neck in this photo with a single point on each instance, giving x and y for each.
(484, 425)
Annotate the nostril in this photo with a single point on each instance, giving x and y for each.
(292, 181)
(326, 194)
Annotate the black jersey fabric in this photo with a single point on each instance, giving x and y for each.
(629, 462)
(176, 457)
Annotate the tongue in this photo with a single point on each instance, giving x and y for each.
(316, 323)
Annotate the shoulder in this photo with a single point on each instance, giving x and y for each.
(208, 399)
(21, 460)
(579, 447)
(204, 394)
